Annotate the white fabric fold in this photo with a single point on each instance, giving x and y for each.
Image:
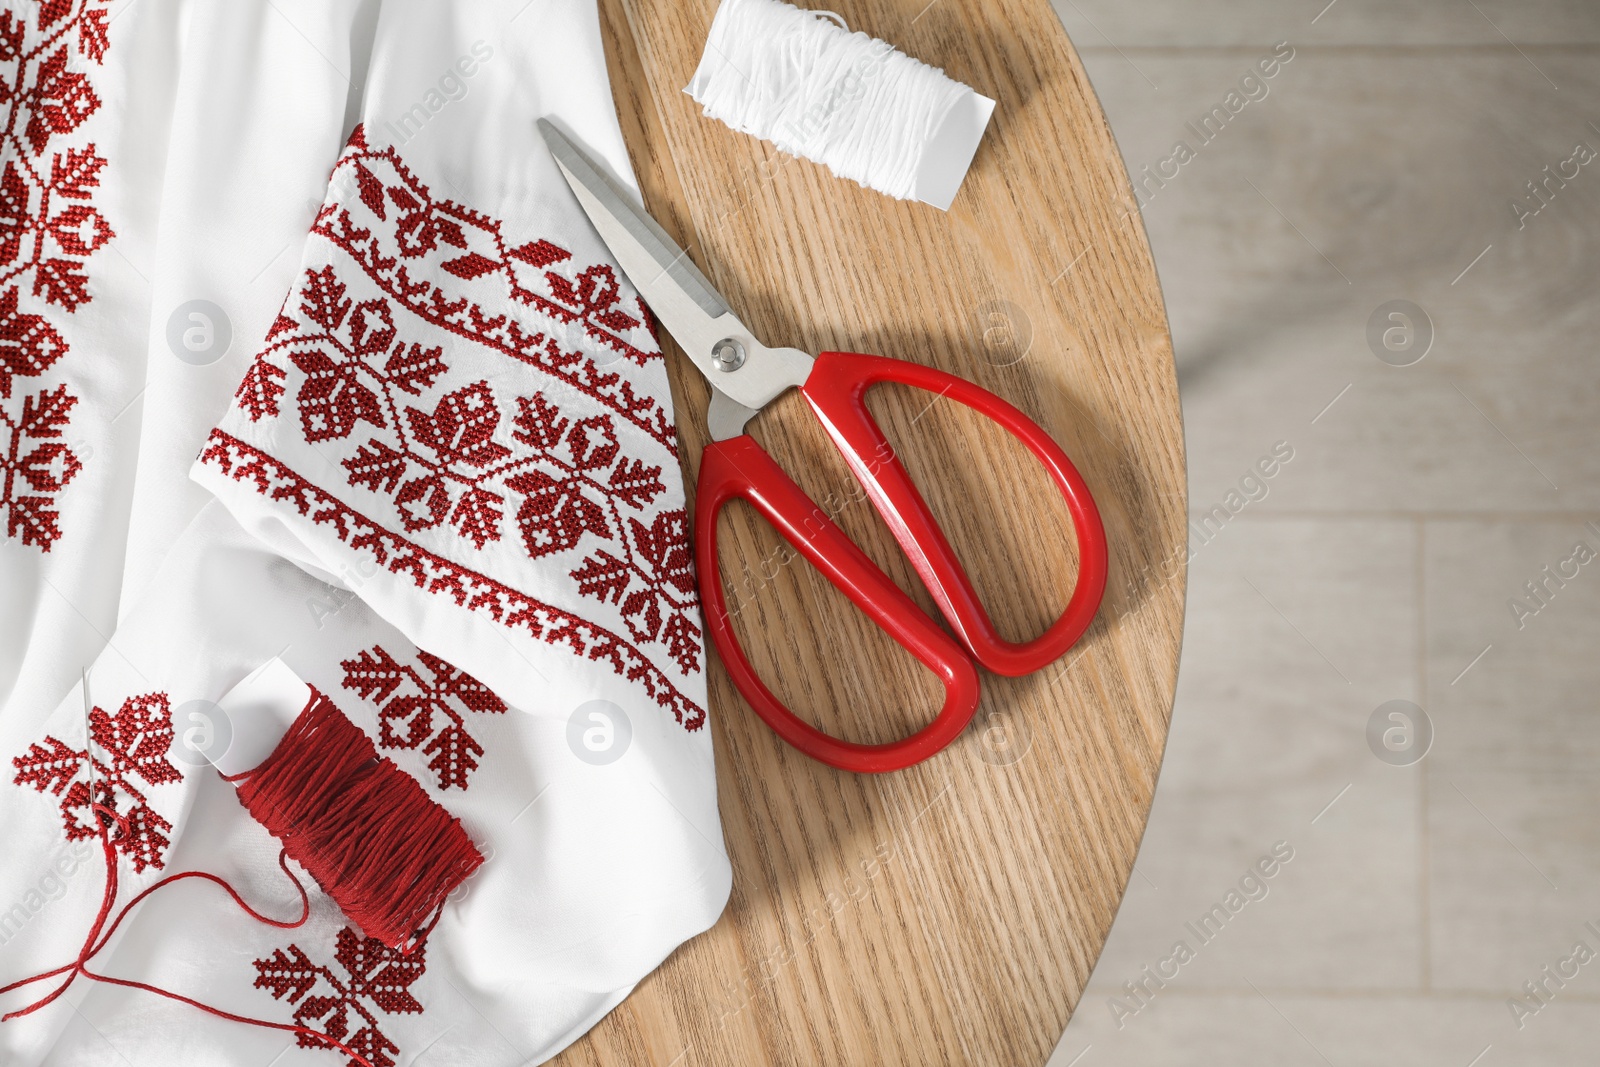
(260, 110)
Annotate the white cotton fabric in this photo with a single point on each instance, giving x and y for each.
(260, 102)
(220, 124)
(593, 874)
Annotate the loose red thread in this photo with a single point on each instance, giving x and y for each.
(341, 812)
(105, 926)
(384, 850)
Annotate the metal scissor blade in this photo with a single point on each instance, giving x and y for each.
(687, 304)
(647, 255)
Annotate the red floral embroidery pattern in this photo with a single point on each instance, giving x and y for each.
(29, 345)
(652, 582)
(35, 458)
(410, 708)
(356, 370)
(423, 224)
(48, 229)
(658, 558)
(442, 464)
(424, 355)
(477, 592)
(374, 978)
(399, 221)
(131, 744)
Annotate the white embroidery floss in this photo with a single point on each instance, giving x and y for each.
(804, 82)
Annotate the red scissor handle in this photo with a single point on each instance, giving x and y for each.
(836, 388)
(739, 468)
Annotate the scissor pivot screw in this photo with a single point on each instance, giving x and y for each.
(727, 354)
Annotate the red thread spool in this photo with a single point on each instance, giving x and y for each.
(377, 844)
(385, 852)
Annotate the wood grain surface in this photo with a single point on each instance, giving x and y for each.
(950, 913)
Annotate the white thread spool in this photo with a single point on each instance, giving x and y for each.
(846, 100)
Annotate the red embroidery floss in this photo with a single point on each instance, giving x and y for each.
(364, 829)
(377, 844)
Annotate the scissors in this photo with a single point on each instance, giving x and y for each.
(745, 376)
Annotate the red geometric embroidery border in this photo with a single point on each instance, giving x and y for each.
(595, 295)
(476, 592)
(50, 227)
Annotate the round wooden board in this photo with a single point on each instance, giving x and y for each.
(950, 913)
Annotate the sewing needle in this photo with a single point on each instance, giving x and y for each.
(88, 746)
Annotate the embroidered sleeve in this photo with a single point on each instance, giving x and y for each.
(484, 415)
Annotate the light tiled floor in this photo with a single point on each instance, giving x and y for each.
(1383, 560)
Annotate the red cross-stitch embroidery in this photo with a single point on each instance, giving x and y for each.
(387, 220)
(374, 978)
(48, 229)
(412, 709)
(132, 744)
(652, 581)
(441, 463)
(36, 459)
(459, 402)
(357, 370)
(467, 588)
